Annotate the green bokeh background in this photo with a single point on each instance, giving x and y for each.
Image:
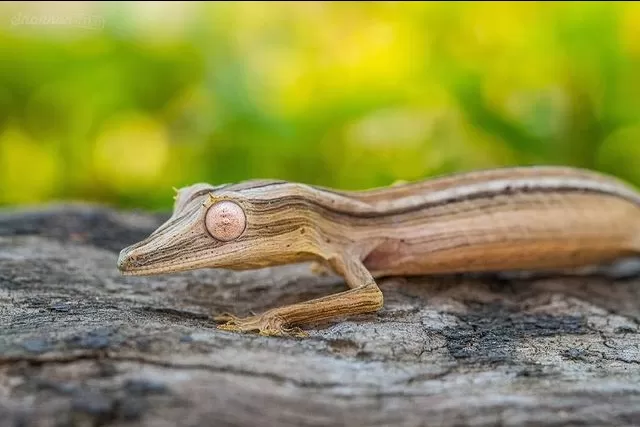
(116, 103)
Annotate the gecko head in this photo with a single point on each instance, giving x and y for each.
(214, 227)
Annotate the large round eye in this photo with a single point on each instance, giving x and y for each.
(225, 221)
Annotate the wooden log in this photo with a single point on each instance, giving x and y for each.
(81, 345)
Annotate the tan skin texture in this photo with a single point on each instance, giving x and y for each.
(504, 219)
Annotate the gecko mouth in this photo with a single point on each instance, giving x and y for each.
(127, 264)
(131, 264)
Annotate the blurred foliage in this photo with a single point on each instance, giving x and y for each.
(118, 102)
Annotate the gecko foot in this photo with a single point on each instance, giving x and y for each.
(266, 324)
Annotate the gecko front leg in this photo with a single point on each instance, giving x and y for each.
(363, 297)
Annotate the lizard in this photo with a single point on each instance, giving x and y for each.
(500, 219)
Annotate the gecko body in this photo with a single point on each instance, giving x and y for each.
(518, 218)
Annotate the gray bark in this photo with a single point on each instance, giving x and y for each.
(81, 345)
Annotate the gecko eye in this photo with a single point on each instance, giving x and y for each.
(225, 221)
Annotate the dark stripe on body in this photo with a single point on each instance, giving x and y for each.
(303, 200)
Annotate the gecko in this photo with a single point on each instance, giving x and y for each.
(500, 219)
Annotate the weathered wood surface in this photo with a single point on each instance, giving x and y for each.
(82, 345)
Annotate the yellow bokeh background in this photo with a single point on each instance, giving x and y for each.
(117, 103)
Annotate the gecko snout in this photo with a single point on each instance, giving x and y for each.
(130, 259)
(124, 260)
(131, 262)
